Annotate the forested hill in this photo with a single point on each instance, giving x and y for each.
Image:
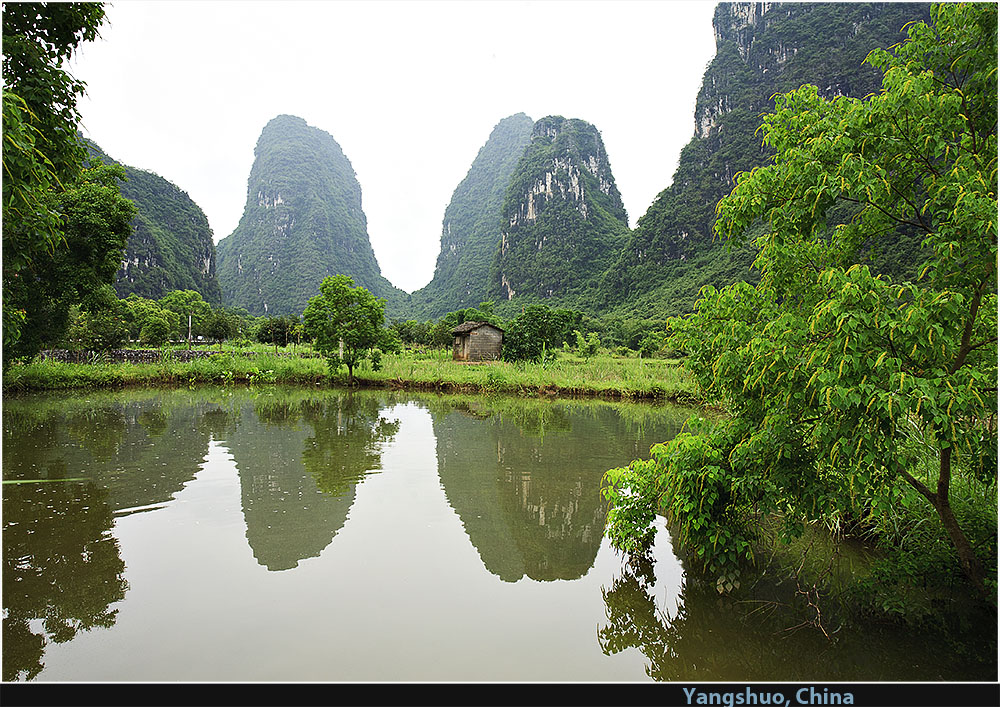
(302, 222)
(470, 230)
(171, 246)
(761, 49)
(562, 219)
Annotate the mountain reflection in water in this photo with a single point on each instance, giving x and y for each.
(364, 536)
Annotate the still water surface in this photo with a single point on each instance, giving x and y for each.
(299, 535)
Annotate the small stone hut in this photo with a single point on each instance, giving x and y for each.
(477, 341)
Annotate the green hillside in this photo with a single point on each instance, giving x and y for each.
(562, 220)
(171, 247)
(470, 230)
(761, 50)
(302, 222)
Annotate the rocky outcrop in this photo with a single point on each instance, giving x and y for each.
(302, 222)
(562, 218)
(761, 49)
(470, 230)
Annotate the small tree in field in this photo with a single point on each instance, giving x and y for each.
(347, 324)
(831, 373)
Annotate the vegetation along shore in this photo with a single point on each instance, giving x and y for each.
(602, 375)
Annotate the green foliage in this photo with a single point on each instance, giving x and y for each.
(42, 157)
(104, 325)
(37, 39)
(538, 332)
(94, 224)
(278, 330)
(191, 309)
(653, 343)
(29, 179)
(347, 324)
(827, 370)
(220, 325)
(586, 346)
(148, 322)
(413, 332)
(156, 331)
(916, 572)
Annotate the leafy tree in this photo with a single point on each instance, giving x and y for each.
(827, 370)
(104, 325)
(414, 332)
(157, 330)
(185, 303)
(149, 322)
(277, 330)
(347, 323)
(221, 325)
(537, 331)
(587, 346)
(42, 154)
(653, 343)
(94, 227)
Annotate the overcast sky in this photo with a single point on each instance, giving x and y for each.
(410, 90)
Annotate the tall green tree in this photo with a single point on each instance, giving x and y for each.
(104, 325)
(149, 322)
(192, 311)
(537, 331)
(277, 330)
(42, 153)
(95, 223)
(830, 373)
(348, 325)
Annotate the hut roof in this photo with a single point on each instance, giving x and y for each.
(469, 326)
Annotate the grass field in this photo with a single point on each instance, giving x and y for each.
(600, 376)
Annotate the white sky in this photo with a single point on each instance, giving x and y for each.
(410, 90)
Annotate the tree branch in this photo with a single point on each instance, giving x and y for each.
(919, 486)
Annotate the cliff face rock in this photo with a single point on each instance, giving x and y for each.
(171, 246)
(562, 218)
(833, 40)
(761, 49)
(470, 230)
(302, 222)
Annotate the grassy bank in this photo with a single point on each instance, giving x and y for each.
(221, 368)
(598, 376)
(602, 376)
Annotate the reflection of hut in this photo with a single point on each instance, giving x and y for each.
(477, 341)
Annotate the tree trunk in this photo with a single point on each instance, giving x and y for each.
(970, 564)
(966, 556)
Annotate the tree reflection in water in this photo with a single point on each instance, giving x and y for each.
(757, 636)
(349, 433)
(62, 570)
(297, 487)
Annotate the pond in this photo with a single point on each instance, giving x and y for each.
(281, 534)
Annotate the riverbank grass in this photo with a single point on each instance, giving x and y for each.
(601, 375)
